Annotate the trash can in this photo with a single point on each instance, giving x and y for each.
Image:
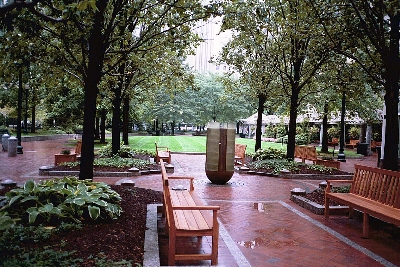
(4, 141)
(362, 148)
(12, 146)
(220, 152)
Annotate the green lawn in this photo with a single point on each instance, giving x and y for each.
(189, 143)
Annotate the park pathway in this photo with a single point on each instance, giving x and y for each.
(259, 225)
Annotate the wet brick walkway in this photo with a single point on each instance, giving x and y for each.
(259, 225)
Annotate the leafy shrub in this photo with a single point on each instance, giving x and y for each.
(274, 165)
(320, 168)
(119, 162)
(341, 189)
(269, 153)
(301, 139)
(333, 132)
(115, 161)
(314, 133)
(280, 130)
(51, 202)
(269, 131)
(354, 132)
(124, 152)
(283, 139)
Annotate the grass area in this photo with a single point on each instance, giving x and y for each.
(187, 143)
(197, 144)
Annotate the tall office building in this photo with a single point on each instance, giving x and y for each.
(213, 42)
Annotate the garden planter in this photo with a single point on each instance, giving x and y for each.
(58, 158)
(329, 163)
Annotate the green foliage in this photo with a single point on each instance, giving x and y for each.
(274, 165)
(42, 257)
(354, 132)
(124, 151)
(302, 139)
(102, 261)
(333, 132)
(119, 162)
(269, 153)
(280, 130)
(115, 161)
(314, 133)
(61, 200)
(66, 151)
(320, 168)
(341, 189)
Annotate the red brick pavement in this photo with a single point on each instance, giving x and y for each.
(260, 226)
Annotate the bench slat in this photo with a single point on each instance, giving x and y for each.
(188, 219)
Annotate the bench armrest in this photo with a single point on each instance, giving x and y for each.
(183, 178)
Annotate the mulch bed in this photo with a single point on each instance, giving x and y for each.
(121, 239)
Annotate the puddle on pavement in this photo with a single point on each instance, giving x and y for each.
(251, 244)
(262, 207)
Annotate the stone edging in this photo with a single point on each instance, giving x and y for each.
(47, 171)
(317, 208)
(298, 176)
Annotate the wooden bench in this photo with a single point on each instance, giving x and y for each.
(373, 191)
(162, 152)
(305, 153)
(187, 216)
(240, 154)
(334, 142)
(352, 143)
(375, 144)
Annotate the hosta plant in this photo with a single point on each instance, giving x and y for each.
(68, 199)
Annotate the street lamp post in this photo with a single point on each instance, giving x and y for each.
(19, 147)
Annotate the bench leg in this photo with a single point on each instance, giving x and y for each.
(366, 225)
(326, 207)
(171, 249)
(214, 249)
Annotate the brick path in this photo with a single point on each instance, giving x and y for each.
(260, 226)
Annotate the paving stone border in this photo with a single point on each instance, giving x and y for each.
(317, 208)
(47, 171)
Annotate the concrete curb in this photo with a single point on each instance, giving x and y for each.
(151, 256)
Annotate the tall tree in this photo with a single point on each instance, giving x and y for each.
(82, 34)
(368, 32)
(283, 43)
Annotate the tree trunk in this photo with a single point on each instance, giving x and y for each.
(292, 125)
(91, 80)
(293, 109)
(261, 101)
(103, 126)
(97, 129)
(125, 136)
(116, 118)
(391, 61)
(33, 120)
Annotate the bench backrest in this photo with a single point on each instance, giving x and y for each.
(377, 184)
(311, 153)
(167, 197)
(298, 151)
(240, 150)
